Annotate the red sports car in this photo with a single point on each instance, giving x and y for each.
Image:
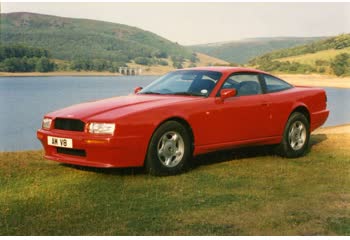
(185, 113)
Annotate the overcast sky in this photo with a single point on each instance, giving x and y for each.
(195, 23)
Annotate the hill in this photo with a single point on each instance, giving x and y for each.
(331, 55)
(202, 60)
(68, 38)
(244, 50)
(313, 58)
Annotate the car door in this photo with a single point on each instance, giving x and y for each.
(245, 116)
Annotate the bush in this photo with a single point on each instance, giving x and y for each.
(341, 64)
(163, 62)
(160, 54)
(321, 63)
(44, 65)
(288, 67)
(143, 61)
(322, 70)
(194, 58)
(177, 65)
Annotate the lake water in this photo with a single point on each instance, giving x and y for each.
(24, 101)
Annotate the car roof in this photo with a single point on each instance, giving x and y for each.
(228, 70)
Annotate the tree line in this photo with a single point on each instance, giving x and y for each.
(99, 65)
(338, 42)
(19, 58)
(340, 65)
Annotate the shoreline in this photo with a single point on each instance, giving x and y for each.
(70, 73)
(312, 80)
(58, 74)
(316, 80)
(338, 129)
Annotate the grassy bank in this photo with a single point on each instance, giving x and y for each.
(246, 192)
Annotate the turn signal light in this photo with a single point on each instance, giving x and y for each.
(39, 135)
(94, 141)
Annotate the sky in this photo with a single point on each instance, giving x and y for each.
(207, 22)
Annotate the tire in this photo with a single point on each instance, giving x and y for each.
(296, 137)
(170, 150)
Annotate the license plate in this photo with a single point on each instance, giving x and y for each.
(60, 142)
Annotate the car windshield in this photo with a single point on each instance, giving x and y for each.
(184, 82)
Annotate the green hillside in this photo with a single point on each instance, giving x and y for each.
(242, 51)
(314, 58)
(331, 55)
(68, 38)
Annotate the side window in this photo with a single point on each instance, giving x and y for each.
(245, 84)
(275, 85)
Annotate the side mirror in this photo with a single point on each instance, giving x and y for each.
(227, 93)
(137, 89)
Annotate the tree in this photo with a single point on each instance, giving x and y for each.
(163, 62)
(18, 58)
(194, 58)
(160, 54)
(177, 65)
(341, 65)
(44, 65)
(142, 61)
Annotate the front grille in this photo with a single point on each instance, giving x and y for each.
(69, 124)
(72, 151)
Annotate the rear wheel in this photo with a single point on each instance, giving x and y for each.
(296, 136)
(169, 151)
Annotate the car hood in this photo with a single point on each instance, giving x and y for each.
(119, 106)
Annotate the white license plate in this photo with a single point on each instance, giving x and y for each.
(60, 142)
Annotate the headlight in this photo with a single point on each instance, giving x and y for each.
(102, 128)
(46, 124)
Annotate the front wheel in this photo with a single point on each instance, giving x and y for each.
(169, 151)
(296, 137)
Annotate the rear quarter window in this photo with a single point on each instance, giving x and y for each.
(274, 84)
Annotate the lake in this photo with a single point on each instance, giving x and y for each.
(24, 101)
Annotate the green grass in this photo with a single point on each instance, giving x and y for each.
(310, 58)
(242, 192)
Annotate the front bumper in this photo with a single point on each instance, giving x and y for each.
(95, 151)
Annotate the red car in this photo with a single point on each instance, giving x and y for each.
(182, 114)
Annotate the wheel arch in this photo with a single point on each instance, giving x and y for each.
(284, 149)
(302, 109)
(182, 121)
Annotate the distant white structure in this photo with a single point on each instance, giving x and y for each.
(130, 71)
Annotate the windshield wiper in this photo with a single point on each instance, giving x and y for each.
(150, 92)
(189, 94)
